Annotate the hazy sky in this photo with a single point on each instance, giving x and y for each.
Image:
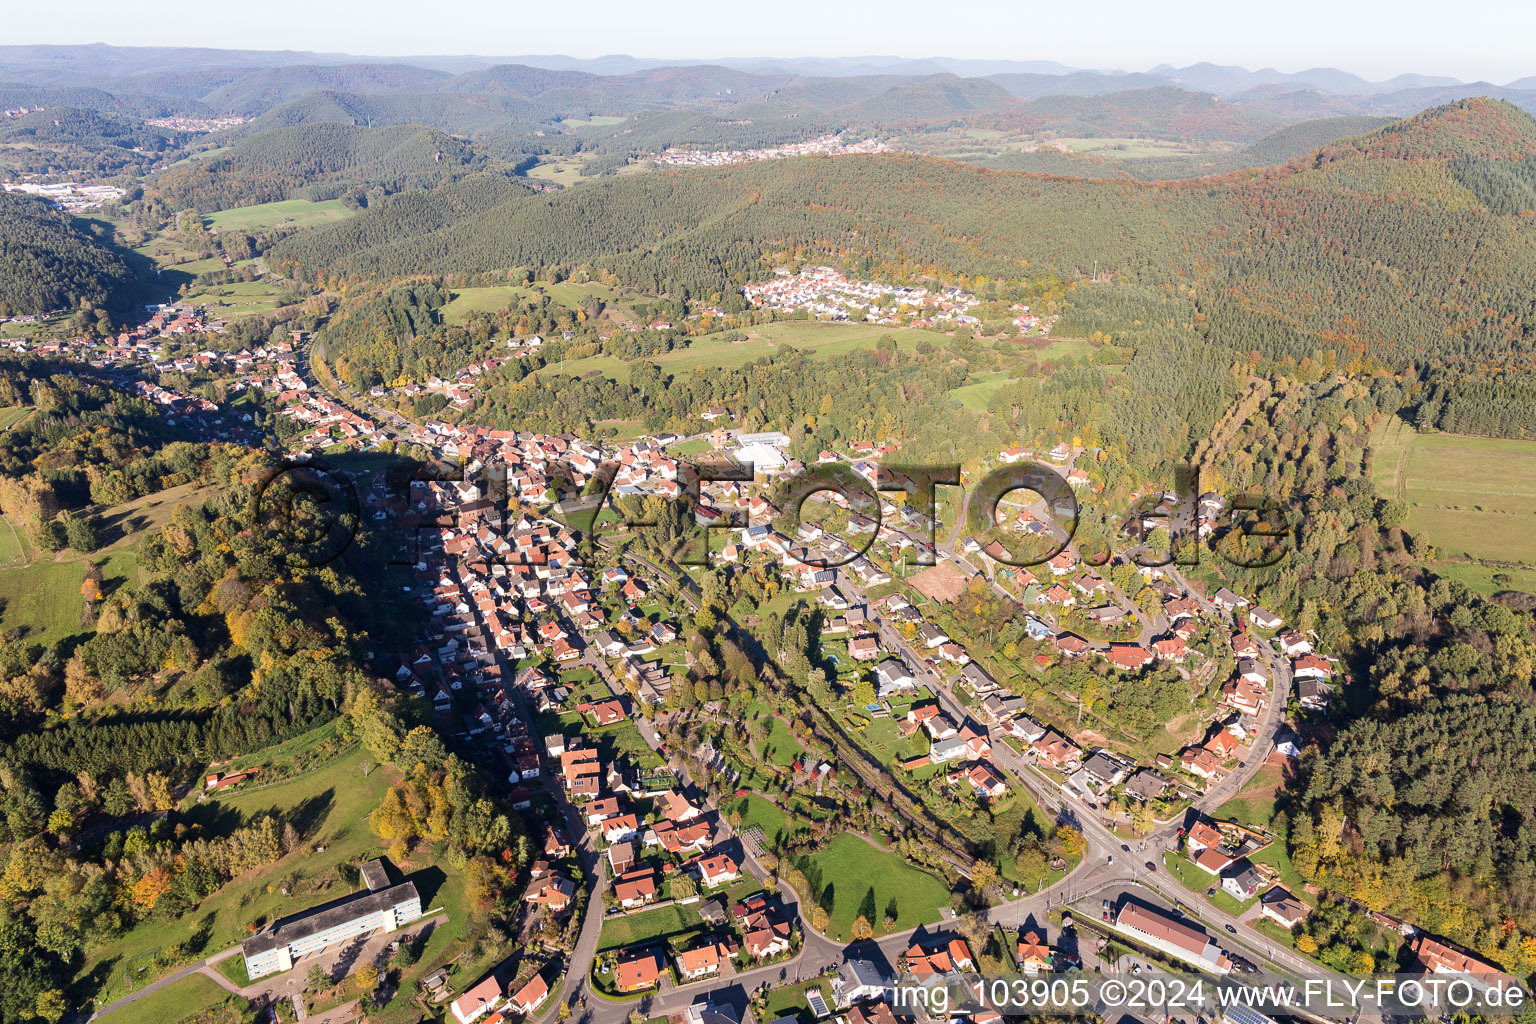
(1473, 39)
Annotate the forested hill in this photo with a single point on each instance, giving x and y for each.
(1360, 251)
(53, 264)
(317, 161)
(261, 90)
(1478, 128)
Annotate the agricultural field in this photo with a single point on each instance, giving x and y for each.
(1473, 498)
(851, 867)
(296, 213)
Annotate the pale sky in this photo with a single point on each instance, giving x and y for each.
(1471, 40)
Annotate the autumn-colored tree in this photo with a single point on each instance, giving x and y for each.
(862, 929)
(1071, 840)
(819, 919)
(146, 892)
(366, 978)
(159, 787)
(983, 878)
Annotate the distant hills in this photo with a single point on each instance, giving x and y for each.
(202, 82)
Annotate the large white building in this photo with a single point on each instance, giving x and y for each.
(288, 941)
(764, 458)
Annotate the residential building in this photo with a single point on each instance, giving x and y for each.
(278, 947)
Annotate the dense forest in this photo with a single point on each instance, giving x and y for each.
(73, 141)
(321, 161)
(52, 263)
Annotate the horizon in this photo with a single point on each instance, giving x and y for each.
(1374, 42)
(867, 63)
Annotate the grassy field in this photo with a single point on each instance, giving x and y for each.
(13, 415)
(298, 213)
(493, 299)
(780, 747)
(974, 395)
(13, 552)
(565, 171)
(188, 997)
(1474, 498)
(760, 812)
(1127, 148)
(595, 121)
(480, 300)
(821, 340)
(663, 923)
(41, 591)
(1489, 579)
(329, 806)
(852, 867)
(1257, 805)
(241, 298)
(44, 596)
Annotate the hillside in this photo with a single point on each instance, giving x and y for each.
(83, 141)
(1303, 137)
(1479, 128)
(52, 264)
(317, 161)
(260, 91)
(1286, 144)
(1162, 112)
(1376, 255)
(453, 113)
(930, 99)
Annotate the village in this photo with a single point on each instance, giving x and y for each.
(828, 145)
(563, 673)
(824, 291)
